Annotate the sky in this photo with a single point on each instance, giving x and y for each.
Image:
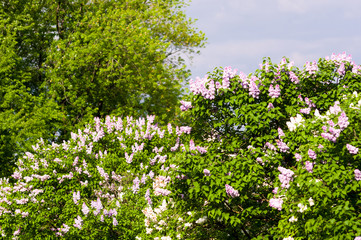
(242, 32)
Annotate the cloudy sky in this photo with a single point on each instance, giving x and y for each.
(241, 32)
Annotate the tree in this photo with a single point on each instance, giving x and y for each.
(80, 59)
(243, 120)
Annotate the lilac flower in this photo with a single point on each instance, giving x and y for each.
(231, 191)
(343, 121)
(329, 137)
(335, 109)
(312, 154)
(274, 92)
(115, 222)
(271, 146)
(170, 129)
(185, 129)
(276, 203)
(352, 149)
(17, 175)
(206, 172)
(294, 77)
(260, 161)
(228, 74)
(282, 146)
(76, 197)
(185, 105)
(280, 132)
(201, 150)
(270, 106)
(85, 209)
(203, 86)
(305, 110)
(78, 222)
(285, 177)
(298, 157)
(309, 166)
(341, 69)
(253, 88)
(312, 68)
(128, 158)
(103, 173)
(16, 232)
(135, 186)
(357, 174)
(97, 205)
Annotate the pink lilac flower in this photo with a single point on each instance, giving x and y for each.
(276, 203)
(280, 132)
(285, 177)
(97, 205)
(312, 154)
(282, 146)
(206, 172)
(271, 146)
(103, 173)
(85, 209)
(17, 175)
(231, 191)
(228, 74)
(335, 109)
(274, 92)
(260, 161)
(270, 106)
(352, 149)
(311, 67)
(17, 232)
(298, 157)
(341, 69)
(185, 129)
(128, 158)
(78, 222)
(343, 121)
(305, 110)
(135, 186)
(357, 238)
(203, 86)
(76, 197)
(115, 222)
(357, 174)
(309, 166)
(185, 105)
(253, 88)
(294, 77)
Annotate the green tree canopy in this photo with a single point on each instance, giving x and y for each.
(64, 62)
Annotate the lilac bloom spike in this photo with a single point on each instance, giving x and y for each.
(276, 203)
(253, 88)
(185, 105)
(309, 166)
(357, 174)
(274, 92)
(231, 191)
(343, 121)
(312, 154)
(352, 149)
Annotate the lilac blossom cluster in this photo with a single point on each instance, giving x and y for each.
(231, 191)
(285, 177)
(203, 86)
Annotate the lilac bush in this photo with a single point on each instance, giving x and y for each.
(110, 180)
(268, 134)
